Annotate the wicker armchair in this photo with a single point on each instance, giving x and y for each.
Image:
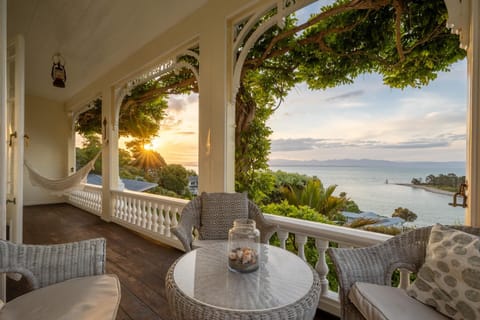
(190, 223)
(67, 280)
(376, 264)
(43, 265)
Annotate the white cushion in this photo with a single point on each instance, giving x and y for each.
(449, 280)
(377, 302)
(95, 297)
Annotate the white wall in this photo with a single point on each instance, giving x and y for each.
(46, 124)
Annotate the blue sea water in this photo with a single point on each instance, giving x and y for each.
(366, 186)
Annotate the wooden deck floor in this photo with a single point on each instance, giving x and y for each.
(140, 264)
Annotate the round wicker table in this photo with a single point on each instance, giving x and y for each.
(199, 285)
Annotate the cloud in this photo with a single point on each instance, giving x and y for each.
(177, 105)
(293, 144)
(303, 144)
(414, 145)
(343, 96)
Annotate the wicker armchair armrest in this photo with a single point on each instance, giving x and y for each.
(189, 219)
(376, 264)
(43, 265)
(266, 228)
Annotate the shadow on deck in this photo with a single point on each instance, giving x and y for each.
(140, 264)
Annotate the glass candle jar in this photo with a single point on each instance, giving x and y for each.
(243, 246)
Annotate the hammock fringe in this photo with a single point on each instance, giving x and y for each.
(62, 186)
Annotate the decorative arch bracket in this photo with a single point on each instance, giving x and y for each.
(459, 15)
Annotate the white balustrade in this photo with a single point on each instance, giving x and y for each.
(324, 235)
(88, 199)
(154, 215)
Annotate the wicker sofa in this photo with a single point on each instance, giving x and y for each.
(68, 281)
(364, 276)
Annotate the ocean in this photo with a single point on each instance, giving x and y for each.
(368, 188)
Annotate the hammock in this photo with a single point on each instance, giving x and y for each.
(62, 186)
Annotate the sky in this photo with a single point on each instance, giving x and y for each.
(368, 120)
(364, 120)
(177, 140)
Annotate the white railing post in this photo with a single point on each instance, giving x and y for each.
(300, 241)
(282, 236)
(321, 265)
(404, 279)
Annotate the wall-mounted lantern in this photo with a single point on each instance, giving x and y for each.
(59, 75)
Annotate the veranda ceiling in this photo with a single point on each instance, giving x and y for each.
(93, 36)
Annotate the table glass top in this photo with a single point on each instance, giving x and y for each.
(282, 279)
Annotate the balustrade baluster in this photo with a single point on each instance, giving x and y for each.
(115, 205)
(300, 241)
(321, 265)
(174, 216)
(130, 210)
(122, 208)
(282, 236)
(404, 279)
(161, 219)
(143, 214)
(155, 217)
(136, 211)
(148, 214)
(168, 221)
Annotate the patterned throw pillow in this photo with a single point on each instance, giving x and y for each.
(449, 280)
(219, 210)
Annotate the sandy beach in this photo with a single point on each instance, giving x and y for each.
(430, 189)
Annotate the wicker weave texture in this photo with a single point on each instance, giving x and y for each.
(185, 308)
(376, 264)
(43, 265)
(190, 220)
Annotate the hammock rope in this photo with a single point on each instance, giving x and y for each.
(75, 181)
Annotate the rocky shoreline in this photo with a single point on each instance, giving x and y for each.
(430, 189)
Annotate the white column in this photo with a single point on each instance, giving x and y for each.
(3, 118)
(3, 132)
(71, 151)
(473, 126)
(107, 102)
(216, 116)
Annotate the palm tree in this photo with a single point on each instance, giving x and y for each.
(317, 197)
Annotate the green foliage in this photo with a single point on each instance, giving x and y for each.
(449, 182)
(316, 196)
(359, 223)
(260, 187)
(138, 120)
(405, 214)
(366, 40)
(306, 213)
(393, 231)
(252, 152)
(299, 212)
(174, 177)
(91, 147)
(416, 181)
(334, 47)
(350, 205)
